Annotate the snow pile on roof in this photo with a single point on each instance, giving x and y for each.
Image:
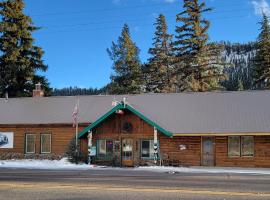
(43, 164)
(232, 170)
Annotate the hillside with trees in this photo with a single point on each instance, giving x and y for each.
(238, 70)
(181, 61)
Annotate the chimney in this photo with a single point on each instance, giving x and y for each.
(38, 92)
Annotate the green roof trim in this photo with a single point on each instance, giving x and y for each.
(124, 107)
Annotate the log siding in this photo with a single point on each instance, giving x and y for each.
(112, 128)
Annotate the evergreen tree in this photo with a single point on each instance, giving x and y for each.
(20, 60)
(159, 69)
(197, 61)
(261, 65)
(75, 91)
(127, 77)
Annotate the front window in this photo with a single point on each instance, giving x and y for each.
(240, 146)
(234, 146)
(105, 149)
(247, 146)
(45, 143)
(147, 149)
(30, 143)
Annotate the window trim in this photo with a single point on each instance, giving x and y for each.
(147, 158)
(231, 156)
(253, 152)
(240, 146)
(106, 157)
(26, 141)
(41, 143)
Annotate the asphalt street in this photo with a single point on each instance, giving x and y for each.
(128, 184)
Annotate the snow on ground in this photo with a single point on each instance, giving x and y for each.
(64, 164)
(233, 170)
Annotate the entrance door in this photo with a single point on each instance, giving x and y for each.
(127, 152)
(208, 152)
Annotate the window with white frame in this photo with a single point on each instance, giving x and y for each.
(30, 143)
(105, 148)
(147, 149)
(45, 143)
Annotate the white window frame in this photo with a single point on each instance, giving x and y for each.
(50, 143)
(151, 143)
(103, 156)
(26, 142)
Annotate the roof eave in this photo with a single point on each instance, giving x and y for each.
(133, 110)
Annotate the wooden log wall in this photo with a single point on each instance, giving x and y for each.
(112, 128)
(261, 156)
(191, 156)
(61, 135)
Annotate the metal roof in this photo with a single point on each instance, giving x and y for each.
(209, 112)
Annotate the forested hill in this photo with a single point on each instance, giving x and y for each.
(75, 91)
(238, 69)
(237, 56)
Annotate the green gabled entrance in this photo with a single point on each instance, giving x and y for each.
(124, 107)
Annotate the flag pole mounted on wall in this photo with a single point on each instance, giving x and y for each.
(75, 124)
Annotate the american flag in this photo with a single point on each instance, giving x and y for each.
(75, 113)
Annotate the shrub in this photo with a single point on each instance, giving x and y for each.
(73, 156)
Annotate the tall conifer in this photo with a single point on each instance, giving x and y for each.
(127, 77)
(197, 61)
(159, 70)
(20, 59)
(261, 64)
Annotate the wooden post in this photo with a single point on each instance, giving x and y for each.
(155, 145)
(90, 136)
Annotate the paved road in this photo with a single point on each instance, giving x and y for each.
(130, 184)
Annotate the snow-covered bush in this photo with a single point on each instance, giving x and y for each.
(73, 156)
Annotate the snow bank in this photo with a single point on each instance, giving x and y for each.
(64, 164)
(43, 164)
(206, 170)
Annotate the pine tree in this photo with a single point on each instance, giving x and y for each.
(159, 70)
(261, 63)
(20, 60)
(127, 77)
(197, 61)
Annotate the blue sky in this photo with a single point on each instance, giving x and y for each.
(76, 33)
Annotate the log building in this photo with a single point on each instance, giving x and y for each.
(186, 129)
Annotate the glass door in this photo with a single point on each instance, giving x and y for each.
(127, 152)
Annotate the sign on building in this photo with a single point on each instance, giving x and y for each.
(6, 140)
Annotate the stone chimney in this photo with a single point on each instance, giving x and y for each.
(38, 92)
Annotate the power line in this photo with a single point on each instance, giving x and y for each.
(141, 25)
(121, 18)
(98, 10)
(115, 9)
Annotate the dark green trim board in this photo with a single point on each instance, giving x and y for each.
(124, 107)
